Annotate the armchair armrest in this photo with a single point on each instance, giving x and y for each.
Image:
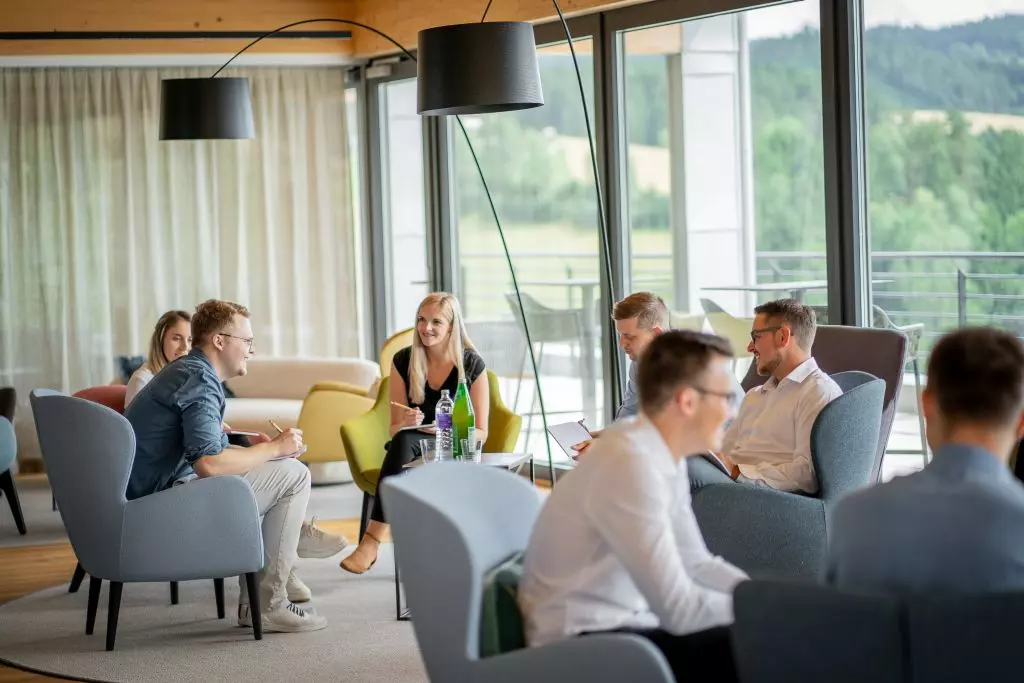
(767, 533)
(598, 658)
(331, 385)
(205, 529)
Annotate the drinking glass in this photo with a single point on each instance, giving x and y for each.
(428, 449)
(472, 452)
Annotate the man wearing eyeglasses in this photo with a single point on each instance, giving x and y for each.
(769, 442)
(177, 420)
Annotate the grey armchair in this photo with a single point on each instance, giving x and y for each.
(8, 453)
(452, 523)
(206, 529)
(773, 534)
(802, 633)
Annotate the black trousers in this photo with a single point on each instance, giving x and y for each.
(695, 657)
(403, 448)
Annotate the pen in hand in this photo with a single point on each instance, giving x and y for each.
(274, 425)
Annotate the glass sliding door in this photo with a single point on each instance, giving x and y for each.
(403, 205)
(945, 134)
(537, 166)
(722, 163)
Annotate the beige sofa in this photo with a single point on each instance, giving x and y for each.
(274, 389)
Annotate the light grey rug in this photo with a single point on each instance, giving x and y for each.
(158, 642)
(44, 525)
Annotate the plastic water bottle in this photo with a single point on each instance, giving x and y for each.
(445, 438)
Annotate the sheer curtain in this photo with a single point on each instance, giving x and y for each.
(103, 226)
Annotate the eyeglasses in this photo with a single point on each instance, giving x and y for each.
(247, 340)
(730, 396)
(756, 334)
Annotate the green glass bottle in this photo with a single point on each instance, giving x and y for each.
(463, 419)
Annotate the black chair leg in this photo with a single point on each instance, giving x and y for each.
(252, 586)
(94, 602)
(218, 590)
(112, 611)
(364, 517)
(53, 502)
(76, 579)
(7, 486)
(174, 592)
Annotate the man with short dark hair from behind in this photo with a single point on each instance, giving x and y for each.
(957, 526)
(617, 546)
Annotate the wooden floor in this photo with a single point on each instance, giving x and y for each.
(27, 570)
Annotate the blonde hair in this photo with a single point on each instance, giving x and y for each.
(156, 360)
(458, 342)
(648, 308)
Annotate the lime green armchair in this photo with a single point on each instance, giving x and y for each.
(365, 436)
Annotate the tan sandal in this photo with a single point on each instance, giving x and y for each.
(354, 566)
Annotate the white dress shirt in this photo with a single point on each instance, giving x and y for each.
(770, 439)
(617, 546)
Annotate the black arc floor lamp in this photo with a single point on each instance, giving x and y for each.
(479, 68)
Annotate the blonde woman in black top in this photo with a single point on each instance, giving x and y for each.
(440, 354)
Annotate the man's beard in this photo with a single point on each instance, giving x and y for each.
(768, 368)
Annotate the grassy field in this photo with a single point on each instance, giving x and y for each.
(543, 252)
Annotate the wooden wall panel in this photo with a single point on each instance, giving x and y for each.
(168, 15)
(403, 19)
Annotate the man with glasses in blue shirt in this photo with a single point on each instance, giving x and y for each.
(769, 442)
(178, 418)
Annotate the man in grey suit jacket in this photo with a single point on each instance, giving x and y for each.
(957, 526)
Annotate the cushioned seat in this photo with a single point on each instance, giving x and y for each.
(501, 623)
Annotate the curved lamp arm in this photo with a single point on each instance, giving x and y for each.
(487, 192)
(315, 21)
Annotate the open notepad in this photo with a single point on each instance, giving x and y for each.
(713, 459)
(292, 455)
(569, 434)
(427, 429)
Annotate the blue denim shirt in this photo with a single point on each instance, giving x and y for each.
(177, 419)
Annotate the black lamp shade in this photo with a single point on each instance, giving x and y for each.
(478, 68)
(206, 109)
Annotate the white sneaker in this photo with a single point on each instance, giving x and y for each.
(291, 619)
(317, 543)
(297, 591)
(245, 618)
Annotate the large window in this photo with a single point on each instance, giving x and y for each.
(404, 215)
(537, 166)
(945, 128)
(724, 164)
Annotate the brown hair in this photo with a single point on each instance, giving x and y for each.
(673, 360)
(156, 360)
(800, 318)
(977, 375)
(212, 316)
(649, 310)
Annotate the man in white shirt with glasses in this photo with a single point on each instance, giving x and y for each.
(617, 547)
(769, 442)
